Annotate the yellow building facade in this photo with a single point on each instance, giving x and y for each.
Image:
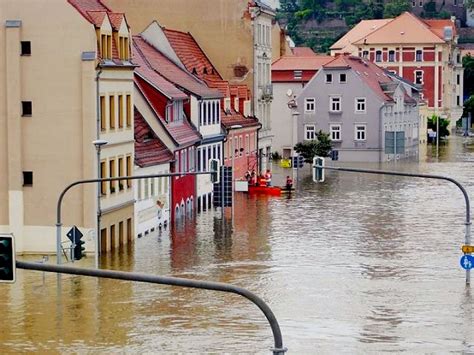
(52, 107)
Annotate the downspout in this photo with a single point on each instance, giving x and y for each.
(99, 192)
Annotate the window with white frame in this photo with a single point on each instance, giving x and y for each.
(360, 105)
(378, 56)
(391, 56)
(309, 104)
(335, 132)
(418, 77)
(360, 132)
(309, 132)
(335, 104)
(419, 55)
(328, 78)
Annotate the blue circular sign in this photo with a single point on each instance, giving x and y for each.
(467, 262)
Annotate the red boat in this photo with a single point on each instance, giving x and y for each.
(267, 190)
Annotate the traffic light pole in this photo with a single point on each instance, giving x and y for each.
(278, 349)
(423, 176)
(91, 181)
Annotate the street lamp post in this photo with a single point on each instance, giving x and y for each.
(292, 105)
(98, 145)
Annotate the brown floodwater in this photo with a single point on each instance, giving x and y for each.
(357, 264)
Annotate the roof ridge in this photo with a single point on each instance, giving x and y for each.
(375, 30)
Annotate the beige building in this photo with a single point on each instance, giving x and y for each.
(240, 37)
(51, 110)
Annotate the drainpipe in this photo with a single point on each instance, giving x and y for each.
(99, 211)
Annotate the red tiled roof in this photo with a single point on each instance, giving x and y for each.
(149, 149)
(221, 85)
(370, 73)
(236, 118)
(169, 70)
(96, 17)
(302, 52)
(155, 79)
(191, 54)
(437, 26)
(181, 131)
(116, 20)
(301, 63)
(84, 6)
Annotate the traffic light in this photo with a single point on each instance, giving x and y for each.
(79, 250)
(318, 169)
(297, 162)
(214, 169)
(7, 258)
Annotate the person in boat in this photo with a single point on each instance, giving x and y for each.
(253, 178)
(248, 177)
(289, 183)
(268, 177)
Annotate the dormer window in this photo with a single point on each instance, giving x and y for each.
(106, 46)
(124, 48)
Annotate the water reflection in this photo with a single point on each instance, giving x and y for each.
(359, 264)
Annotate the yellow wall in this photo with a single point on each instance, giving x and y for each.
(55, 143)
(222, 28)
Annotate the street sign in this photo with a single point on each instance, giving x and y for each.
(74, 234)
(467, 262)
(467, 249)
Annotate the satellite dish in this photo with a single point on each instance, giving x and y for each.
(289, 93)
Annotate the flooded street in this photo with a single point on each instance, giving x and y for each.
(357, 264)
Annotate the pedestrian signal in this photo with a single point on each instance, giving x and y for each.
(318, 169)
(7, 258)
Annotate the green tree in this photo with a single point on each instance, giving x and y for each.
(321, 146)
(395, 8)
(443, 125)
(469, 4)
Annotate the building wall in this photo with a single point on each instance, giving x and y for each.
(50, 143)
(226, 37)
(282, 116)
(55, 142)
(440, 65)
(152, 207)
(245, 160)
(349, 149)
